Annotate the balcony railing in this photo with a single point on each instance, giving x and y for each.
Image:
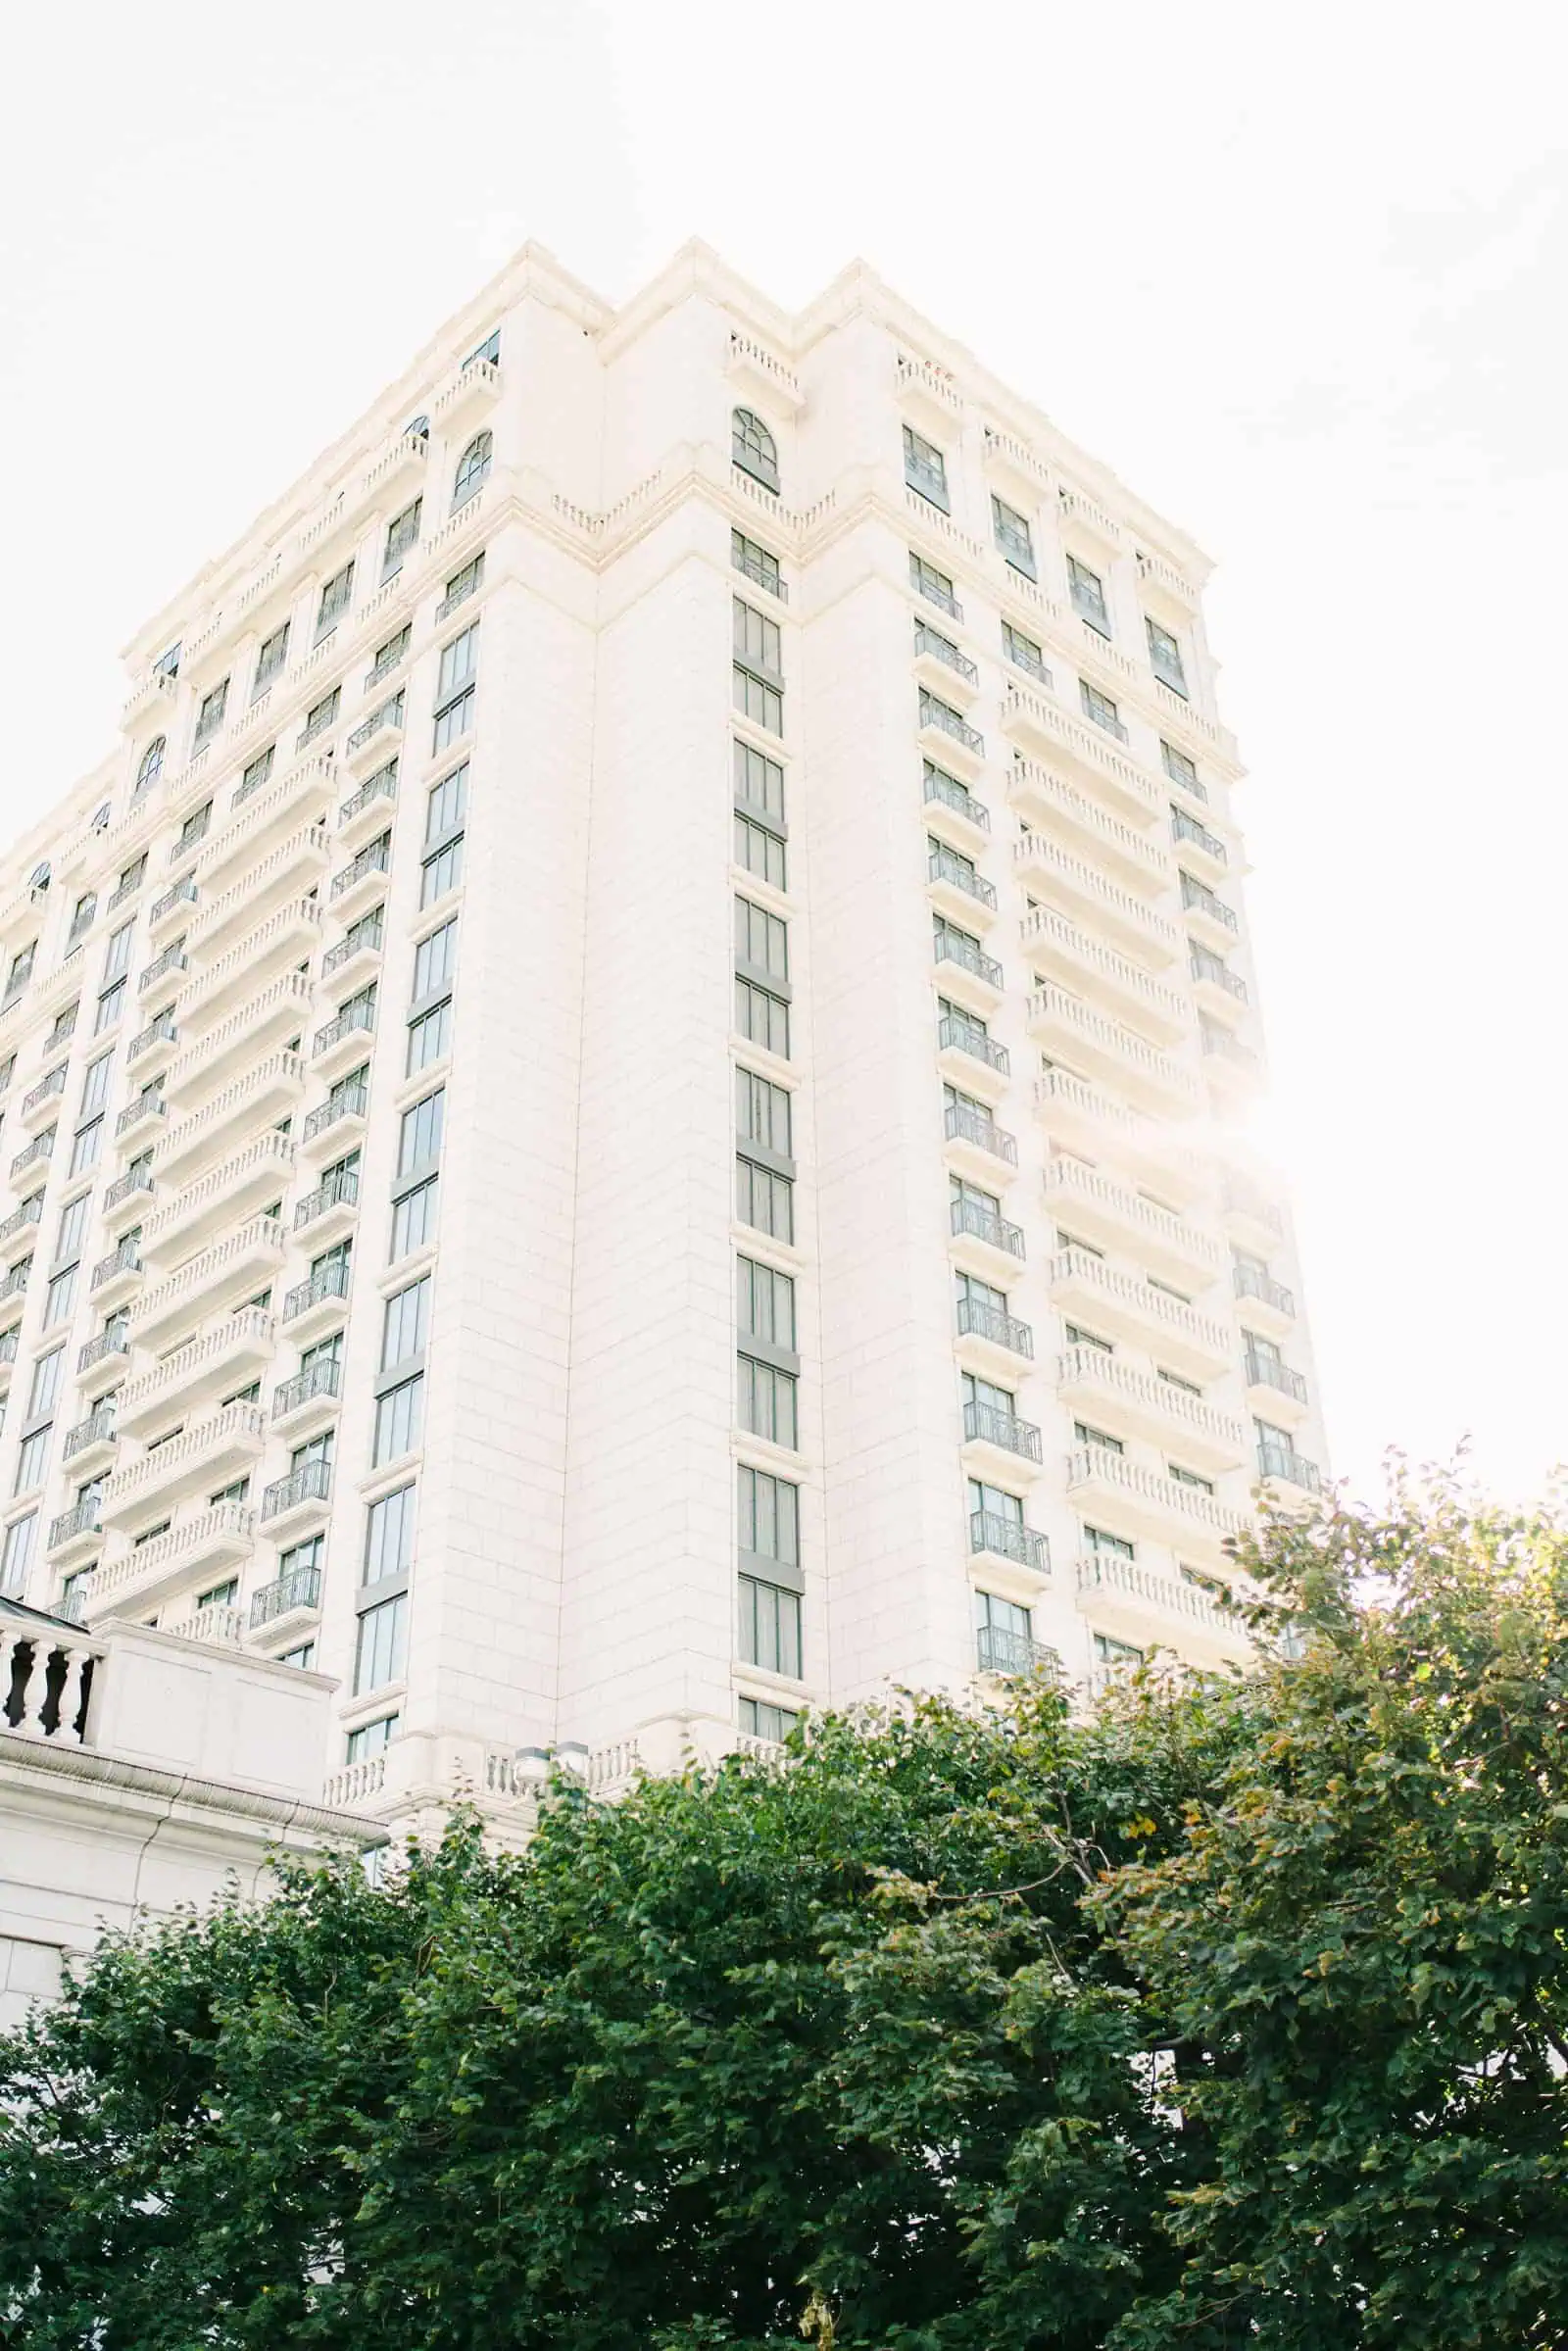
(183, 893)
(40, 1148)
(1203, 965)
(113, 1340)
(328, 1281)
(362, 936)
(1262, 1371)
(977, 1320)
(1187, 828)
(342, 1187)
(127, 1258)
(355, 1020)
(1107, 1571)
(989, 1424)
(351, 1104)
(949, 721)
(384, 785)
(950, 948)
(1277, 1460)
(1008, 1539)
(97, 1426)
(946, 865)
(173, 959)
(317, 1379)
(1245, 1200)
(45, 1090)
(16, 1282)
(160, 1031)
(376, 858)
(134, 1179)
(1268, 1291)
(80, 1519)
(929, 479)
(301, 1587)
(942, 649)
(1097, 1464)
(136, 1114)
(1201, 899)
(965, 1124)
(311, 1481)
(968, 1037)
(390, 714)
(952, 794)
(999, 1651)
(7, 1345)
(969, 1220)
(30, 1212)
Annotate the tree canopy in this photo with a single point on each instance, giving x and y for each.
(1235, 2014)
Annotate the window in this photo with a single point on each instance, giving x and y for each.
(73, 1228)
(429, 1038)
(1084, 1434)
(16, 1555)
(152, 764)
(925, 469)
(269, 661)
(32, 1459)
(399, 1421)
(452, 719)
(87, 907)
(419, 1133)
(319, 716)
(434, 959)
(489, 352)
(209, 716)
(1088, 593)
(1181, 770)
(45, 1386)
(464, 584)
(404, 1323)
(382, 1648)
(762, 940)
(763, 1113)
(117, 959)
(130, 878)
(1102, 710)
(95, 1085)
(1024, 654)
(1110, 1652)
(369, 1739)
(111, 1006)
(473, 467)
(1115, 1546)
(85, 1148)
(414, 1218)
(760, 852)
(389, 1536)
(335, 598)
(768, 1401)
(60, 1298)
(401, 533)
(63, 1027)
(756, 562)
(768, 1516)
(389, 655)
(222, 1595)
(458, 662)
(1077, 1336)
(303, 1659)
(770, 1628)
(1165, 656)
(761, 1017)
(8, 1070)
(447, 804)
(257, 773)
(753, 448)
(755, 1719)
(441, 873)
(755, 699)
(934, 585)
(1014, 535)
(764, 1200)
(1189, 1476)
(765, 1305)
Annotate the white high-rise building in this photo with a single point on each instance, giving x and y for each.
(619, 1101)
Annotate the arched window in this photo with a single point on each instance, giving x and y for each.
(152, 764)
(753, 448)
(473, 466)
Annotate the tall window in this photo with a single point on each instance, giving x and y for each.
(1165, 657)
(767, 1401)
(434, 959)
(405, 1324)
(389, 1536)
(73, 1228)
(1088, 592)
(45, 1387)
(209, 716)
(473, 467)
(15, 1554)
(756, 562)
(769, 1629)
(419, 1134)
(758, 782)
(401, 533)
(1013, 536)
(32, 1459)
(269, 661)
(429, 1038)
(414, 1218)
(116, 956)
(753, 448)
(765, 1305)
(335, 598)
(399, 1421)
(441, 872)
(381, 1653)
(764, 1199)
(447, 804)
(763, 1113)
(152, 764)
(925, 469)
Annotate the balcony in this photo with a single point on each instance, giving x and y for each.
(1087, 1290)
(330, 1211)
(1014, 462)
(287, 1606)
(173, 907)
(1262, 1303)
(222, 1276)
(965, 973)
(998, 1443)
(285, 873)
(954, 814)
(1042, 864)
(1134, 1503)
(141, 1119)
(365, 813)
(1197, 844)
(39, 1104)
(302, 1408)
(475, 388)
(943, 666)
(1254, 1221)
(1149, 1608)
(357, 955)
(278, 1012)
(976, 1146)
(401, 466)
(214, 1625)
(984, 1244)
(1114, 1217)
(117, 1278)
(945, 734)
(1044, 728)
(343, 1042)
(1281, 1464)
(281, 943)
(1233, 1067)
(76, 1537)
(1220, 992)
(266, 1095)
(969, 1059)
(318, 1306)
(992, 1341)
(361, 880)
(336, 1125)
(1273, 1390)
(272, 821)
(1047, 801)
(219, 1200)
(37, 1153)
(929, 394)
(1207, 917)
(152, 1051)
(159, 984)
(213, 1453)
(104, 1360)
(955, 889)
(1013, 1656)
(1059, 951)
(374, 736)
(299, 1505)
(1064, 1026)
(93, 1445)
(20, 1232)
(8, 1359)
(195, 1549)
(1110, 1392)
(14, 1294)
(227, 1354)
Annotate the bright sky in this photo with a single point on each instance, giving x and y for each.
(1297, 275)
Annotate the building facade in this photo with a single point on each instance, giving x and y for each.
(620, 1103)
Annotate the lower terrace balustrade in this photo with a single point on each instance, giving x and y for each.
(47, 1677)
(203, 1543)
